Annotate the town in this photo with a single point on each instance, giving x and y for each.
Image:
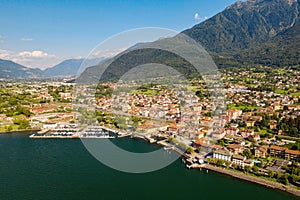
(257, 132)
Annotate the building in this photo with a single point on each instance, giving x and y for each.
(292, 155)
(250, 123)
(249, 163)
(232, 131)
(277, 151)
(173, 129)
(222, 155)
(235, 148)
(238, 160)
(49, 126)
(246, 133)
(254, 138)
(219, 134)
(200, 134)
(261, 151)
(285, 153)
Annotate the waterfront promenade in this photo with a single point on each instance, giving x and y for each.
(253, 179)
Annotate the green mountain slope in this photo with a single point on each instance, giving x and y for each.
(282, 50)
(245, 24)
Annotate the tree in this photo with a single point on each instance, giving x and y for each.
(278, 175)
(220, 162)
(227, 163)
(190, 150)
(247, 153)
(234, 166)
(285, 181)
(247, 168)
(271, 173)
(255, 169)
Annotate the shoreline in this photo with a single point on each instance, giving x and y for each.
(252, 179)
(19, 131)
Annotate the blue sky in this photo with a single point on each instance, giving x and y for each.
(42, 33)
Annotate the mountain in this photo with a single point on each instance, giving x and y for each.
(68, 67)
(245, 24)
(12, 70)
(282, 50)
(250, 32)
(65, 68)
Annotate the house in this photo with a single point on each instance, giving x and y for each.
(254, 138)
(234, 114)
(277, 106)
(65, 95)
(232, 131)
(249, 163)
(273, 124)
(246, 133)
(250, 123)
(201, 143)
(240, 142)
(238, 160)
(235, 148)
(199, 134)
(219, 134)
(173, 128)
(256, 118)
(222, 155)
(261, 151)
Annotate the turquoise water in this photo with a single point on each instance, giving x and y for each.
(63, 169)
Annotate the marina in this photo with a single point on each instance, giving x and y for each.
(72, 133)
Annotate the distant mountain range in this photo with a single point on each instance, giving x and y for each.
(12, 70)
(67, 68)
(264, 32)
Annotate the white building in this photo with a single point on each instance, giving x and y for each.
(222, 155)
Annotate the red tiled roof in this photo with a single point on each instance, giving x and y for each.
(273, 147)
(292, 152)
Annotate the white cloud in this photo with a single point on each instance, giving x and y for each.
(196, 16)
(26, 39)
(5, 54)
(33, 59)
(34, 54)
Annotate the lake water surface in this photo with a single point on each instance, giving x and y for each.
(63, 169)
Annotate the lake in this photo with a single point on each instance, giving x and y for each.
(63, 169)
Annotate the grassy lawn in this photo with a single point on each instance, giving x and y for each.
(263, 131)
(232, 106)
(296, 94)
(280, 91)
(148, 92)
